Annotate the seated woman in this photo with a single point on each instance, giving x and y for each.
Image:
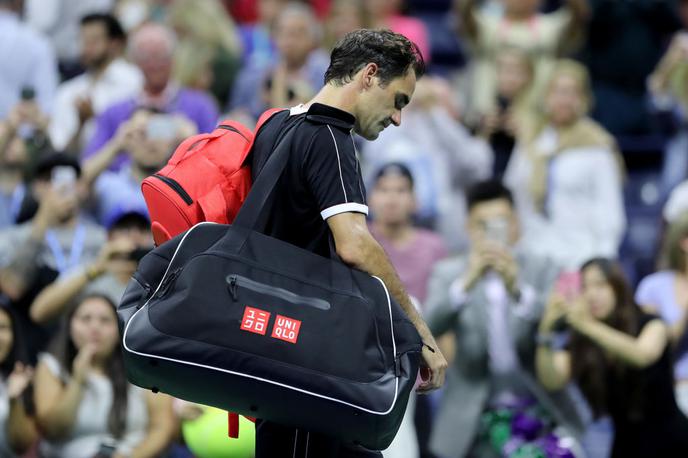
(17, 428)
(621, 359)
(665, 293)
(566, 175)
(84, 403)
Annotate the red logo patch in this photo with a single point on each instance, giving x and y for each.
(255, 320)
(286, 329)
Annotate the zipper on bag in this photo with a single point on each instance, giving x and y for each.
(234, 282)
(176, 187)
(232, 129)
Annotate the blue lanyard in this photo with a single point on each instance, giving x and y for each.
(74, 253)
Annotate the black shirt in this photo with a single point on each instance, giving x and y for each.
(322, 177)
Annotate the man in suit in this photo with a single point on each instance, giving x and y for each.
(492, 299)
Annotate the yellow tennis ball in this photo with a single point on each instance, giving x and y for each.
(207, 436)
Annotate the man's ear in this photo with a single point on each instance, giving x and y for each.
(369, 73)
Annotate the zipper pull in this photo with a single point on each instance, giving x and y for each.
(232, 280)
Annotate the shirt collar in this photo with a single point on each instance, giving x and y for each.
(326, 114)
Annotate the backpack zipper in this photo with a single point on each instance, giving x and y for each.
(233, 129)
(176, 187)
(236, 281)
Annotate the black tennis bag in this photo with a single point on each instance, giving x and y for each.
(225, 316)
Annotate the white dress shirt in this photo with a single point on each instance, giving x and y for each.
(584, 208)
(121, 80)
(26, 59)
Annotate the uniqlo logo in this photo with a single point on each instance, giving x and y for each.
(255, 320)
(286, 329)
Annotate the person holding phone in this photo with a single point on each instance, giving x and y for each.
(621, 359)
(492, 299)
(55, 240)
(129, 239)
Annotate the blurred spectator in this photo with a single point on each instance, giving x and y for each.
(665, 293)
(492, 299)
(55, 241)
(386, 14)
(621, 359)
(60, 21)
(28, 68)
(413, 252)
(566, 174)
(677, 204)
(17, 429)
(134, 13)
(258, 47)
(512, 103)
(624, 42)
(442, 155)
(129, 237)
(298, 73)
(199, 26)
(84, 404)
(23, 139)
(343, 17)
(108, 79)
(152, 48)
(542, 36)
(148, 139)
(669, 98)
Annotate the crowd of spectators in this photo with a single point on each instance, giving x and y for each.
(534, 202)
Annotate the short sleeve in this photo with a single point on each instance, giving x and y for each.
(333, 174)
(644, 295)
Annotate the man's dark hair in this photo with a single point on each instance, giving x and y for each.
(114, 29)
(485, 191)
(394, 168)
(393, 53)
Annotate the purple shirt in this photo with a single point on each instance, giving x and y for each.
(415, 260)
(195, 105)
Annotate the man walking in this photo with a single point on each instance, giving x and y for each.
(321, 197)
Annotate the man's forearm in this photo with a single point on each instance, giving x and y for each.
(375, 262)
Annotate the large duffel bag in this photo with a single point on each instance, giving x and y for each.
(225, 316)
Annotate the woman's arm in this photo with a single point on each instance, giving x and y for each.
(638, 352)
(21, 429)
(57, 404)
(553, 367)
(161, 426)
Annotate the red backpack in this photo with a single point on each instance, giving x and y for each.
(204, 180)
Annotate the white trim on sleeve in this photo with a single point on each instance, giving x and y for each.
(344, 208)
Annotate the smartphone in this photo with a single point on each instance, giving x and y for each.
(568, 284)
(161, 127)
(28, 93)
(63, 179)
(497, 230)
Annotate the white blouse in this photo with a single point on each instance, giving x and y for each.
(584, 210)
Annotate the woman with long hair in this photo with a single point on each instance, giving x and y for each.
(84, 404)
(621, 359)
(665, 293)
(17, 428)
(566, 175)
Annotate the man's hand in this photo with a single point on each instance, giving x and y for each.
(433, 365)
(502, 261)
(84, 108)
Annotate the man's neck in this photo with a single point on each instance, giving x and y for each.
(98, 72)
(9, 180)
(398, 234)
(342, 97)
(519, 16)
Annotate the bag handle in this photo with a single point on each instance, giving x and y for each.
(189, 145)
(262, 189)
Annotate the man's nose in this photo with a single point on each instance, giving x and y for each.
(396, 118)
